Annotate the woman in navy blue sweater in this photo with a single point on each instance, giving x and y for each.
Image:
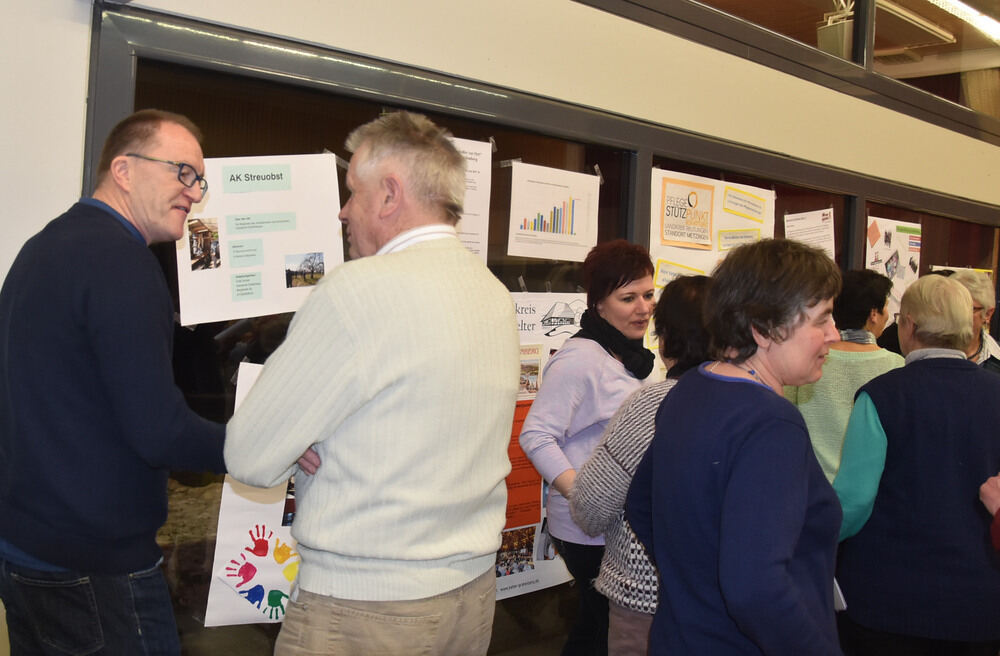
(730, 500)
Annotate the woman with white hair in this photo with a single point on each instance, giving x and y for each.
(916, 566)
(982, 348)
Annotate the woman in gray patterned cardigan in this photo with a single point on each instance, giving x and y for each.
(597, 501)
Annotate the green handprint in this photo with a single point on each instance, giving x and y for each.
(275, 604)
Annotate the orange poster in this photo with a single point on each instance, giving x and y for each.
(524, 484)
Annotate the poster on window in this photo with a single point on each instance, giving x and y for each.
(695, 221)
(264, 235)
(255, 564)
(553, 213)
(473, 227)
(892, 248)
(527, 560)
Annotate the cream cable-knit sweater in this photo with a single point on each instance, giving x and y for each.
(402, 370)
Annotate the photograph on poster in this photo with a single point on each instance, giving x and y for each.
(303, 269)
(516, 554)
(531, 364)
(203, 239)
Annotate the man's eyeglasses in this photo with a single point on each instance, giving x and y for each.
(185, 172)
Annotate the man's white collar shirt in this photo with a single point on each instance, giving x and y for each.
(404, 240)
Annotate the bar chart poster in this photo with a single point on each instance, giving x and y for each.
(553, 213)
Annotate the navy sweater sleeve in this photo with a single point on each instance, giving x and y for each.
(127, 313)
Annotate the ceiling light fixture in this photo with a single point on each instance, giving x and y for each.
(985, 24)
(939, 33)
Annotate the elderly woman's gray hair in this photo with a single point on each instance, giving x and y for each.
(979, 286)
(941, 310)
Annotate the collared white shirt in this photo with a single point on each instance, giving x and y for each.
(987, 347)
(933, 352)
(408, 238)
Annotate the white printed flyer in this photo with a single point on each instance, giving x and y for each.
(553, 213)
(265, 233)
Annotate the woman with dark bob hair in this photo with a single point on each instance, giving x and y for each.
(729, 500)
(860, 312)
(582, 386)
(628, 578)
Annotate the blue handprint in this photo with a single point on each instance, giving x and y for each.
(254, 595)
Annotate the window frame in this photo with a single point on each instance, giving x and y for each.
(121, 34)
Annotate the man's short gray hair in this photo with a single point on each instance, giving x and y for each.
(979, 286)
(942, 311)
(434, 167)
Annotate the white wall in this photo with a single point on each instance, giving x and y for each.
(43, 80)
(554, 48)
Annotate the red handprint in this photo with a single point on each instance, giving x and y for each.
(260, 545)
(245, 572)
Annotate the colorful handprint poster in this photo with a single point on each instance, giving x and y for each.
(256, 562)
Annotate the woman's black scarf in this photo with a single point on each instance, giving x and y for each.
(636, 358)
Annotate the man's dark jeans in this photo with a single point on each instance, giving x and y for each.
(74, 613)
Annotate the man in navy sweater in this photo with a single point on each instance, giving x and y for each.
(91, 422)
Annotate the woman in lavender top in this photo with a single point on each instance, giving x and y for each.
(582, 386)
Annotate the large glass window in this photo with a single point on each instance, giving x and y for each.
(242, 116)
(823, 24)
(949, 48)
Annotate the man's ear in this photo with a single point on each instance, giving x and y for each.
(121, 171)
(392, 195)
(987, 315)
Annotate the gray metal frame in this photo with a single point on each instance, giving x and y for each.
(122, 34)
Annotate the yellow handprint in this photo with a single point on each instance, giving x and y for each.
(282, 552)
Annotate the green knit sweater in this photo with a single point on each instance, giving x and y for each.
(826, 404)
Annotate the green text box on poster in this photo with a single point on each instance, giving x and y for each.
(242, 224)
(258, 177)
(246, 252)
(247, 286)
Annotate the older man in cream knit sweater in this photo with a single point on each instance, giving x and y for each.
(396, 385)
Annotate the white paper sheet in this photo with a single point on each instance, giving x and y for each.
(553, 213)
(265, 233)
